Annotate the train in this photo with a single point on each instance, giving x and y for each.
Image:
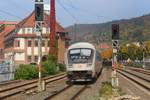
(83, 62)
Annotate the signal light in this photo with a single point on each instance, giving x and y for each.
(39, 12)
(38, 0)
(115, 31)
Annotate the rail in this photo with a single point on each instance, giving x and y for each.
(16, 89)
(71, 97)
(136, 79)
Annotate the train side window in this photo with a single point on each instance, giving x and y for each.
(98, 57)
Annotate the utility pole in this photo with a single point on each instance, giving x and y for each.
(115, 45)
(75, 32)
(143, 47)
(52, 50)
(39, 13)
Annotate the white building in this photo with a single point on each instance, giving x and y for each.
(21, 45)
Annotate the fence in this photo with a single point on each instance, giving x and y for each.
(6, 71)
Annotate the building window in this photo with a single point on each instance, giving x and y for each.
(36, 58)
(36, 43)
(29, 30)
(29, 58)
(47, 30)
(44, 30)
(43, 43)
(23, 30)
(29, 43)
(48, 43)
(17, 43)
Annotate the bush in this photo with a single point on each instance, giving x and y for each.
(61, 67)
(106, 90)
(49, 68)
(134, 64)
(26, 72)
(52, 58)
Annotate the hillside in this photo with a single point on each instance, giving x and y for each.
(135, 29)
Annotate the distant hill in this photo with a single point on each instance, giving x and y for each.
(135, 29)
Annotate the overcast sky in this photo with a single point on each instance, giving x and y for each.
(79, 11)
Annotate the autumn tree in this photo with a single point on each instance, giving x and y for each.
(123, 52)
(107, 54)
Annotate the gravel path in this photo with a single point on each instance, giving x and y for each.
(92, 92)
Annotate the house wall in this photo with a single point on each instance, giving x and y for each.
(22, 52)
(61, 50)
(19, 57)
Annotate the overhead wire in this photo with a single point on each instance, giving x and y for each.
(67, 10)
(10, 14)
(74, 18)
(85, 10)
(18, 6)
(71, 4)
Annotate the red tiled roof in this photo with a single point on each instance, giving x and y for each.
(30, 22)
(7, 29)
(58, 27)
(8, 22)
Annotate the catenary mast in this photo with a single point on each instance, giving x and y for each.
(52, 50)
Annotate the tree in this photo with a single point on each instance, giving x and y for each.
(107, 54)
(123, 52)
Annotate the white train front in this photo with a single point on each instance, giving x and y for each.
(83, 62)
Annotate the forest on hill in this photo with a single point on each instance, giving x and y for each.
(134, 29)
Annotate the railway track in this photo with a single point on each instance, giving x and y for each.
(144, 83)
(9, 82)
(70, 92)
(17, 89)
(140, 70)
(136, 74)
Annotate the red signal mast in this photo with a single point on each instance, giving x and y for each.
(52, 50)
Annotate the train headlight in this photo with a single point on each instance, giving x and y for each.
(70, 65)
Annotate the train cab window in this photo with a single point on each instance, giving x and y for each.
(80, 55)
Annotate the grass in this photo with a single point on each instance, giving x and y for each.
(107, 92)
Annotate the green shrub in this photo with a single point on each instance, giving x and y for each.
(134, 64)
(61, 67)
(49, 68)
(106, 90)
(52, 58)
(26, 72)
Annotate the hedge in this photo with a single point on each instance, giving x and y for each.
(26, 72)
(49, 67)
